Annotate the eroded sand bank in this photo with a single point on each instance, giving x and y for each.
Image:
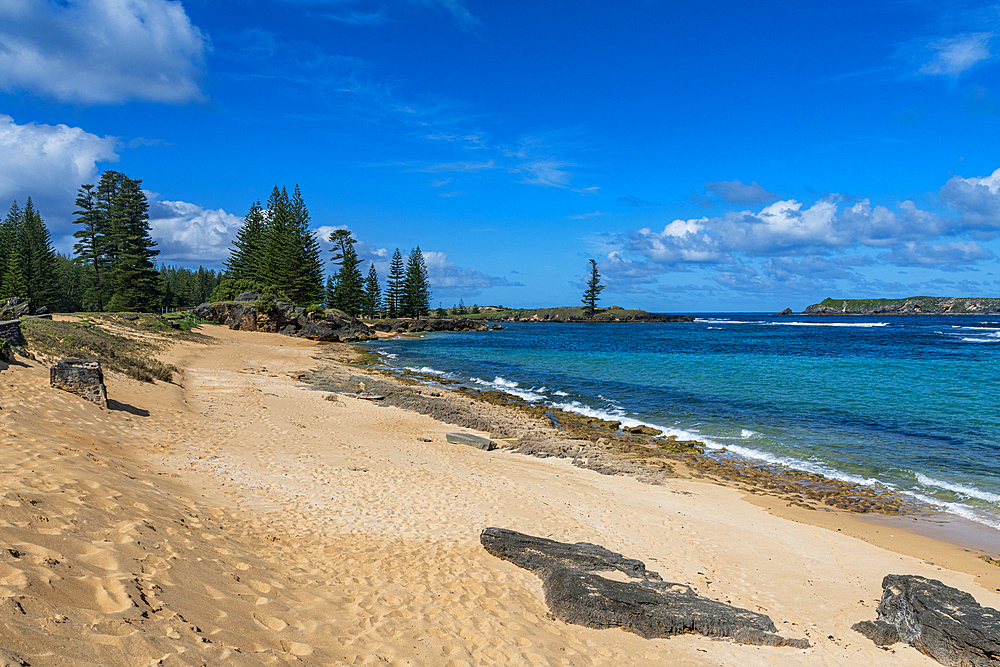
(242, 519)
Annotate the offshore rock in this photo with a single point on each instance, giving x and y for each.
(576, 592)
(940, 621)
(82, 377)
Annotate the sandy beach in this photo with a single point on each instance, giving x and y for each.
(239, 517)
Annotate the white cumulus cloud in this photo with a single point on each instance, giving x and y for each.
(186, 232)
(101, 51)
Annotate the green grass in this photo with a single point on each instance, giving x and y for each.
(87, 340)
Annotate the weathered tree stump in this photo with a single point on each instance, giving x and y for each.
(82, 377)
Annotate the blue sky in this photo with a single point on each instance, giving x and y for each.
(711, 157)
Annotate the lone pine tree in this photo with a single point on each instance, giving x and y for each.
(594, 288)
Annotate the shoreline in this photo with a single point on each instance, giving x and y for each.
(927, 528)
(241, 517)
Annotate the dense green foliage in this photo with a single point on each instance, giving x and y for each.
(115, 247)
(275, 248)
(348, 287)
(594, 288)
(394, 286)
(373, 293)
(416, 297)
(28, 266)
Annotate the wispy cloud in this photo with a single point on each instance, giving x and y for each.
(738, 192)
(584, 216)
(953, 56)
(463, 166)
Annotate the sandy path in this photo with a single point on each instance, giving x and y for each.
(246, 520)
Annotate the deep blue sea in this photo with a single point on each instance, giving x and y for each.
(909, 402)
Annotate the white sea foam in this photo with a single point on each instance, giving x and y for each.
(387, 355)
(980, 340)
(716, 321)
(559, 393)
(959, 509)
(747, 433)
(858, 325)
(969, 491)
(511, 387)
(427, 370)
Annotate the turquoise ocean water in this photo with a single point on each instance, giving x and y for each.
(909, 402)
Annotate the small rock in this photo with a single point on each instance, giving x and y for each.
(471, 440)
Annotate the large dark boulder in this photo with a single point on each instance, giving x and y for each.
(334, 328)
(15, 307)
(247, 296)
(577, 593)
(940, 621)
(82, 377)
(244, 319)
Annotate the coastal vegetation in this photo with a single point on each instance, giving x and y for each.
(913, 305)
(113, 267)
(124, 343)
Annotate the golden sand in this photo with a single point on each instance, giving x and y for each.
(238, 518)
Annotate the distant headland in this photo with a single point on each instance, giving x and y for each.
(913, 305)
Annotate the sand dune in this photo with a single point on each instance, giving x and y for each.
(240, 519)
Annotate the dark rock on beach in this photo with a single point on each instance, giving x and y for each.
(576, 592)
(472, 440)
(82, 377)
(786, 311)
(940, 621)
(15, 308)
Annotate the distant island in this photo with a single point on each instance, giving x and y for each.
(913, 305)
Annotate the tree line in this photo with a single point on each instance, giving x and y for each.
(113, 267)
(276, 255)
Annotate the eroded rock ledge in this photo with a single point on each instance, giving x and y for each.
(940, 621)
(576, 592)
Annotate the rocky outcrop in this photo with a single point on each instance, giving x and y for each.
(15, 308)
(285, 318)
(10, 331)
(644, 604)
(82, 377)
(576, 315)
(425, 324)
(940, 621)
(914, 305)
